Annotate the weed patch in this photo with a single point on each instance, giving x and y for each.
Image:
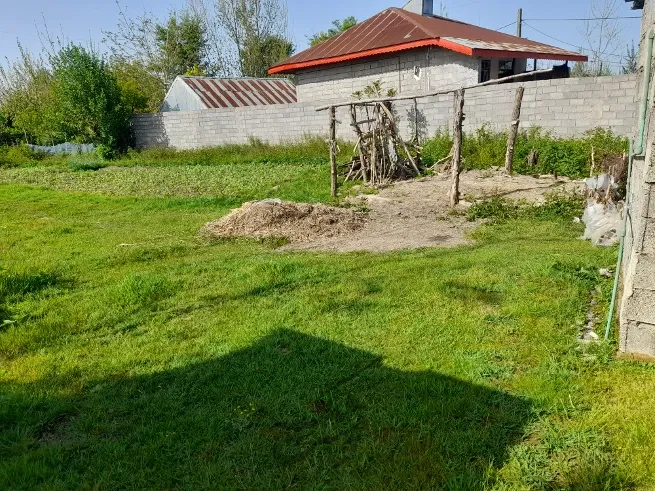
(556, 206)
(570, 157)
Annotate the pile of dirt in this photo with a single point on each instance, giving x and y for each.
(297, 222)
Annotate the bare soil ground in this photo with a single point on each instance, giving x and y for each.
(408, 215)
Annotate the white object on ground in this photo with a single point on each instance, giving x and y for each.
(603, 222)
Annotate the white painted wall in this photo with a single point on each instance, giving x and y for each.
(180, 97)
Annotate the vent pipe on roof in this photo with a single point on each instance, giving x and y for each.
(423, 7)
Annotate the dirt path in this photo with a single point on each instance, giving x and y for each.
(415, 213)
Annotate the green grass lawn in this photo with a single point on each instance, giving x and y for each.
(136, 355)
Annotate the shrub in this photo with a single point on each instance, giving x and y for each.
(20, 155)
(556, 205)
(567, 156)
(89, 101)
(85, 165)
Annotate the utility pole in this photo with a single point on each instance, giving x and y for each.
(519, 23)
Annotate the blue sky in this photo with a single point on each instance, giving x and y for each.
(83, 20)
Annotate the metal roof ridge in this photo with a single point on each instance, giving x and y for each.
(403, 13)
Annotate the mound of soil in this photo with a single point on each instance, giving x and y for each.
(297, 222)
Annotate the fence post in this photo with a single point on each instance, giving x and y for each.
(513, 129)
(457, 147)
(333, 152)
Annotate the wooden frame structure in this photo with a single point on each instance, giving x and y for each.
(384, 134)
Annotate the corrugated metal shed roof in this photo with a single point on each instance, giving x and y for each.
(239, 92)
(396, 30)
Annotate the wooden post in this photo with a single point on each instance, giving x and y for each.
(593, 161)
(513, 129)
(457, 147)
(333, 152)
(360, 138)
(416, 132)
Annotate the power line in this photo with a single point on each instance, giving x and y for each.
(564, 42)
(551, 37)
(588, 18)
(501, 28)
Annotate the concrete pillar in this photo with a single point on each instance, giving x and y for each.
(637, 314)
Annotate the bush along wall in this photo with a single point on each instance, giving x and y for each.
(569, 157)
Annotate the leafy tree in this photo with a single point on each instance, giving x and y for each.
(89, 103)
(8, 134)
(254, 34)
(260, 54)
(165, 50)
(26, 96)
(141, 90)
(338, 28)
(181, 45)
(630, 60)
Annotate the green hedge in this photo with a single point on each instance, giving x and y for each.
(568, 156)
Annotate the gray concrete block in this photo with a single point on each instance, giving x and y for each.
(638, 337)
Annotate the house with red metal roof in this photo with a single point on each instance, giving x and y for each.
(412, 51)
(192, 93)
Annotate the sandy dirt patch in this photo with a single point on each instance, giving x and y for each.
(408, 215)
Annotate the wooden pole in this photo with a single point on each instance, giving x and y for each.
(593, 161)
(416, 133)
(363, 157)
(333, 152)
(457, 147)
(513, 129)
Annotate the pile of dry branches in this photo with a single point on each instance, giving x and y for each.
(382, 155)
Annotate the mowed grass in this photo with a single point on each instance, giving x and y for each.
(136, 355)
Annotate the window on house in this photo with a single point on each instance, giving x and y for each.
(485, 71)
(505, 68)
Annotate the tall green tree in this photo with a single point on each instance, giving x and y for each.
(181, 45)
(337, 28)
(89, 103)
(142, 91)
(260, 54)
(253, 32)
(165, 49)
(27, 98)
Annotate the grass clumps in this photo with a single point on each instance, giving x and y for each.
(556, 206)
(310, 150)
(570, 157)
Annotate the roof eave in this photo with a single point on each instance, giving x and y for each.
(442, 43)
(496, 53)
(292, 67)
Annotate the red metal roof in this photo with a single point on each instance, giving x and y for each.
(239, 92)
(397, 30)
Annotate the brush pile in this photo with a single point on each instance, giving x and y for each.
(382, 155)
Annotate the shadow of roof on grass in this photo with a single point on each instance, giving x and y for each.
(291, 410)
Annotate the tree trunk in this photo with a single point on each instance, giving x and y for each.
(457, 147)
(513, 129)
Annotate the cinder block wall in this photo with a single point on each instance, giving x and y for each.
(637, 313)
(566, 107)
(438, 69)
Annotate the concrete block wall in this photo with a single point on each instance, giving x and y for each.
(438, 69)
(566, 107)
(637, 307)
